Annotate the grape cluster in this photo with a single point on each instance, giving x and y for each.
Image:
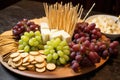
(57, 51)
(31, 41)
(89, 45)
(23, 26)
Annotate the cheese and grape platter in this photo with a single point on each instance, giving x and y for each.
(59, 45)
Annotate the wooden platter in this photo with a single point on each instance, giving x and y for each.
(60, 72)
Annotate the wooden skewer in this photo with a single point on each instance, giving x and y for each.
(88, 12)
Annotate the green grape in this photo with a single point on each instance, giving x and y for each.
(21, 47)
(40, 46)
(50, 47)
(59, 48)
(66, 47)
(26, 48)
(58, 62)
(60, 53)
(36, 43)
(63, 43)
(37, 33)
(31, 33)
(46, 51)
(52, 51)
(55, 56)
(53, 61)
(24, 43)
(66, 57)
(38, 38)
(27, 34)
(49, 43)
(46, 47)
(20, 42)
(34, 39)
(62, 60)
(49, 57)
(33, 48)
(31, 42)
(25, 38)
(67, 52)
(56, 42)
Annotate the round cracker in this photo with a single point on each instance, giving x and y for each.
(40, 65)
(26, 59)
(34, 62)
(16, 59)
(25, 64)
(31, 67)
(20, 51)
(39, 59)
(31, 58)
(44, 56)
(23, 55)
(50, 66)
(22, 68)
(18, 63)
(13, 55)
(34, 53)
(9, 62)
(41, 51)
(40, 69)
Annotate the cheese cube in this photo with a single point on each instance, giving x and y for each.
(44, 25)
(45, 35)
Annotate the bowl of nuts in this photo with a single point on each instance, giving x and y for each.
(108, 24)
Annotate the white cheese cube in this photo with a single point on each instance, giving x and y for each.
(65, 36)
(44, 25)
(56, 34)
(45, 35)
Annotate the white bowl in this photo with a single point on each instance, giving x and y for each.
(100, 20)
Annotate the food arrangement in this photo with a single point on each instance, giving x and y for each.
(58, 43)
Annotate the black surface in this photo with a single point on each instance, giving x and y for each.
(31, 9)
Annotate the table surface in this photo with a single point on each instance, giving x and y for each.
(33, 9)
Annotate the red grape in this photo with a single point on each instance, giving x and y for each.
(76, 47)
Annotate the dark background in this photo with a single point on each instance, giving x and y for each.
(104, 6)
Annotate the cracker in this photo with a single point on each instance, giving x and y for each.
(33, 62)
(25, 64)
(22, 68)
(13, 55)
(44, 56)
(40, 65)
(9, 62)
(31, 67)
(16, 59)
(31, 58)
(41, 51)
(50, 66)
(18, 63)
(34, 53)
(20, 51)
(39, 59)
(23, 55)
(40, 69)
(26, 59)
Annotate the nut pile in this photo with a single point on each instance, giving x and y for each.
(33, 61)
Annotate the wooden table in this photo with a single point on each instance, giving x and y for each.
(32, 9)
